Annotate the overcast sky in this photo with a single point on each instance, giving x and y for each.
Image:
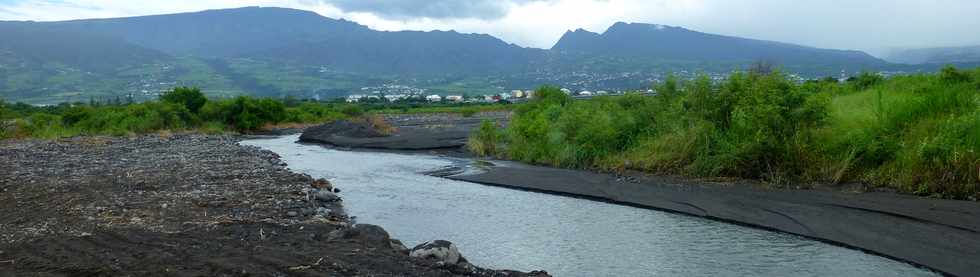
(869, 25)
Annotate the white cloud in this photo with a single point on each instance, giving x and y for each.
(870, 25)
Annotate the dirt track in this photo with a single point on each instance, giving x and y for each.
(184, 205)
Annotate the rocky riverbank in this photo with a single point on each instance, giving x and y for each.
(186, 205)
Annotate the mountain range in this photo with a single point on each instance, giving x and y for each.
(278, 51)
(938, 55)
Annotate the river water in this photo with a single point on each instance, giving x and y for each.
(512, 229)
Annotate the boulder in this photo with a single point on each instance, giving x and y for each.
(322, 184)
(398, 246)
(364, 232)
(325, 196)
(439, 251)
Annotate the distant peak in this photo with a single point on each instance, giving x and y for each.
(634, 27)
(580, 31)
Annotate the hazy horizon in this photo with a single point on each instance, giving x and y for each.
(873, 26)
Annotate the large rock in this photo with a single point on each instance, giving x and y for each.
(439, 251)
(324, 195)
(322, 184)
(370, 234)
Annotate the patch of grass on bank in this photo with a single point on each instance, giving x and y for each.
(918, 134)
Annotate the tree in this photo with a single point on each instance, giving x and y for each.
(866, 80)
(762, 67)
(191, 98)
(950, 75)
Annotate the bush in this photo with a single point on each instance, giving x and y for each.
(76, 114)
(866, 80)
(312, 113)
(553, 129)
(43, 125)
(917, 133)
(352, 110)
(190, 98)
(3, 109)
(483, 142)
(950, 75)
(246, 113)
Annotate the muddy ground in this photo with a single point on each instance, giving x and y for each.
(179, 205)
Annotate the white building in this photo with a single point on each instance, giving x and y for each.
(529, 93)
(354, 98)
(505, 95)
(454, 98)
(585, 93)
(395, 97)
(433, 98)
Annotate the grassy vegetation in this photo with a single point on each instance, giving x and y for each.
(188, 109)
(179, 109)
(918, 134)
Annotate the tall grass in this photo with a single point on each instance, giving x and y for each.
(917, 133)
(182, 109)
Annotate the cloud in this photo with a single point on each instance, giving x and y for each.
(437, 9)
(869, 25)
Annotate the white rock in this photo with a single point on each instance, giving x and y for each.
(438, 250)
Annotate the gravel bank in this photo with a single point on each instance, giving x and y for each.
(182, 205)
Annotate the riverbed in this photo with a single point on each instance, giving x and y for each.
(503, 228)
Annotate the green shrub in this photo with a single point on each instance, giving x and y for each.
(352, 110)
(916, 133)
(245, 113)
(312, 113)
(190, 98)
(485, 140)
(76, 114)
(43, 125)
(950, 75)
(866, 80)
(553, 129)
(4, 113)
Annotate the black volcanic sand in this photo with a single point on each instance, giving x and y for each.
(938, 234)
(184, 205)
(414, 132)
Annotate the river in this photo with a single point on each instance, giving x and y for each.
(513, 229)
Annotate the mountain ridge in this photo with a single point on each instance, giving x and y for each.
(670, 42)
(282, 51)
(936, 55)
